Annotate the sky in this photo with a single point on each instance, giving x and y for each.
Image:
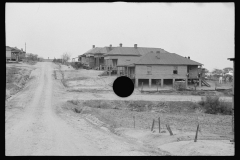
(203, 31)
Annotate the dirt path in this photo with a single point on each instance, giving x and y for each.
(33, 127)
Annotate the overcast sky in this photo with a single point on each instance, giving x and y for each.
(203, 31)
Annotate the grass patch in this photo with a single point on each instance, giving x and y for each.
(226, 92)
(30, 62)
(181, 115)
(141, 106)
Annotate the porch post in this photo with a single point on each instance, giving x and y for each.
(150, 82)
(161, 82)
(173, 81)
(186, 82)
(136, 82)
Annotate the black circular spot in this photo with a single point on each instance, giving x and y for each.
(123, 86)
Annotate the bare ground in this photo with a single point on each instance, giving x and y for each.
(34, 127)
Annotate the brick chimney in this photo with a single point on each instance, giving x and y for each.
(120, 44)
(93, 46)
(158, 54)
(135, 45)
(188, 57)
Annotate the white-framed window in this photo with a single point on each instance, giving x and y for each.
(175, 70)
(149, 69)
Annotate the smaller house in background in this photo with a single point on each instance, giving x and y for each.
(14, 54)
(21, 55)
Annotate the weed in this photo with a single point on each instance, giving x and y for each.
(77, 110)
(75, 102)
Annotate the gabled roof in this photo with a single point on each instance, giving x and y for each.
(131, 51)
(95, 50)
(14, 49)
(8, 48)
(165, 58)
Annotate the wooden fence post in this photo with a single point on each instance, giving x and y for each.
(169, 129)
(195, 140)
(153, 124)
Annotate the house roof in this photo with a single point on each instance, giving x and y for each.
(139, 51)
(15, 49)
(96, 50)
(8, 48)
(127, 62)
(165, 58)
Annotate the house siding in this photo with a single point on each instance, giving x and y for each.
(109, 62)
(193, 71)
(160, 72)
(8, 54)
(91, 62)
(83, 60)
(113, 61)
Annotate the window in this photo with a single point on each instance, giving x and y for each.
(149, 69)
(175, 70)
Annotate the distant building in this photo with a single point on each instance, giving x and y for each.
(14, 54)
(143, 64)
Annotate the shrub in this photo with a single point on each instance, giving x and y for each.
(180, 86)
(77, 110)
(213, 105)
(140, 106)
(76, 65)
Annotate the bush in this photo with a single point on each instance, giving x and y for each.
(179, 86)
(76, 65)
(213, 105)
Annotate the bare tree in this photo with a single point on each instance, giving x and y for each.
(65, 57)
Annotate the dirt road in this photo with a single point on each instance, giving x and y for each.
(33, 127)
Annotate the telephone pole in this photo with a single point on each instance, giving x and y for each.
(25, 47)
